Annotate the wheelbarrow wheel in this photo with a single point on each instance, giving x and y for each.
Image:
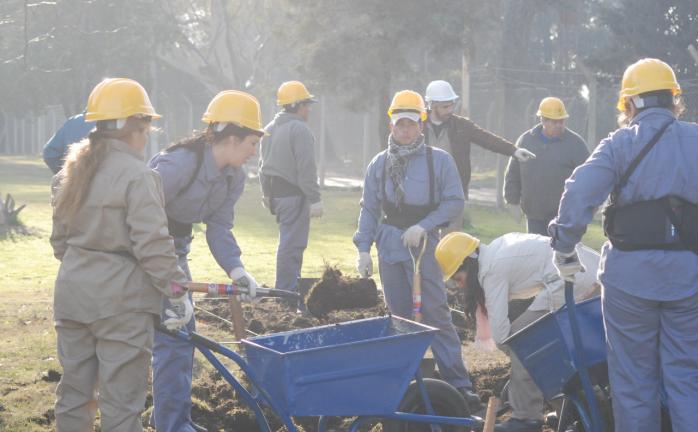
(445, 400)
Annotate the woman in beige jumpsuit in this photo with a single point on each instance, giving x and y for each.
(117, 261)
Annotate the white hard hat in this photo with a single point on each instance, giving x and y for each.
(440, 91)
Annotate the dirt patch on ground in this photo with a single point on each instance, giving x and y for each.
(215, 404)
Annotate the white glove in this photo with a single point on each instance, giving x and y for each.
(412, 237)
(567, 264)
(178, 313)
(364, 265)
(316, 210)
(240, 276)
(522, 155)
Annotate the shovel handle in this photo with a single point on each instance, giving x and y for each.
(234, 289)
(417, 280)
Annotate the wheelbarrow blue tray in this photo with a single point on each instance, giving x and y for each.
(546, 348)
(360, 367)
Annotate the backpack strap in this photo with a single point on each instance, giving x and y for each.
(635, 162)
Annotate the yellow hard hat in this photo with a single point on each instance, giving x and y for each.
(118, 98)
(552, 108)
(408, 100)
(291, 92)
(644, 76)
(232, 106)
(452, 250)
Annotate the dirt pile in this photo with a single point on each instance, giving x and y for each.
(337, 292)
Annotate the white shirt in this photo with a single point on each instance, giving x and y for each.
(520, 266)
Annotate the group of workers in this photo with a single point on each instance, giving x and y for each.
(123, 229)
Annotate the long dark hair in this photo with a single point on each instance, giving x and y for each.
(474, 295)
(209, 136)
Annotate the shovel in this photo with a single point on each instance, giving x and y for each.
(235, 289)
(417, 280)
(232, 290)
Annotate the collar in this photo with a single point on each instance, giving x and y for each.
(538, 131)
(662, 112)
(121, 146)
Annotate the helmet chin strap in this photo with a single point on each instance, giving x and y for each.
(114, 124)
(218, 127)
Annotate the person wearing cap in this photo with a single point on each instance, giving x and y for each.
(537, 185)
(289, 180)
(410, 190)
(514, 266)
(649, 269)
(202, 178)
(454, 134)
(117, 262)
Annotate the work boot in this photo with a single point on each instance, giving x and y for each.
(518, 425)
(471, 398)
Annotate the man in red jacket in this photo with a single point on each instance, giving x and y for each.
(454, 133)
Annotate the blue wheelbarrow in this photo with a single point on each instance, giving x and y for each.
(564, 352)
(361, 369)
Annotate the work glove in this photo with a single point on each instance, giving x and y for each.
(243, 279)
(567, 264)
(364, 265)
(522, 155)
(178, 312)
(316, 210)
(412, 237)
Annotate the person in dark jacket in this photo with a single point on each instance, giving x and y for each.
(537, 186)
(454, 133)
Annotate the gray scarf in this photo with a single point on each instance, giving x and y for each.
(397, 160)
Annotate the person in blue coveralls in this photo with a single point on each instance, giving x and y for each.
(410, 191)
(72, 131)
(649, 268)
(202, 178)
(289, 181)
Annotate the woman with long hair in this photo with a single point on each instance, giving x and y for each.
(203, 179)
(117, 262)
(515, 266)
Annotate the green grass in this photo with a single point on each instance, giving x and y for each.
(28, 269)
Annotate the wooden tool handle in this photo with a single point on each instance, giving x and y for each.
(491, 415)
(417, 296)
(237, 318)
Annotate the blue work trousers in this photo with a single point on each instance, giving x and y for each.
(293, 217)
(173, 360)
(446, 346)
(648, 342)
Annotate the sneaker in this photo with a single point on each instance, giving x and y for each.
(518, 425)
(471, 398)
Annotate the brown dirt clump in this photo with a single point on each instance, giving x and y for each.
(337, 292)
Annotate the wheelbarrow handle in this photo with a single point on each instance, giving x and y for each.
(235, 289)
(580, 361)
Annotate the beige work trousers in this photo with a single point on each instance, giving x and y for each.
(525, 397)
(106, 361)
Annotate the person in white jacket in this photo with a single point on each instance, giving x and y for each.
(513, 266)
